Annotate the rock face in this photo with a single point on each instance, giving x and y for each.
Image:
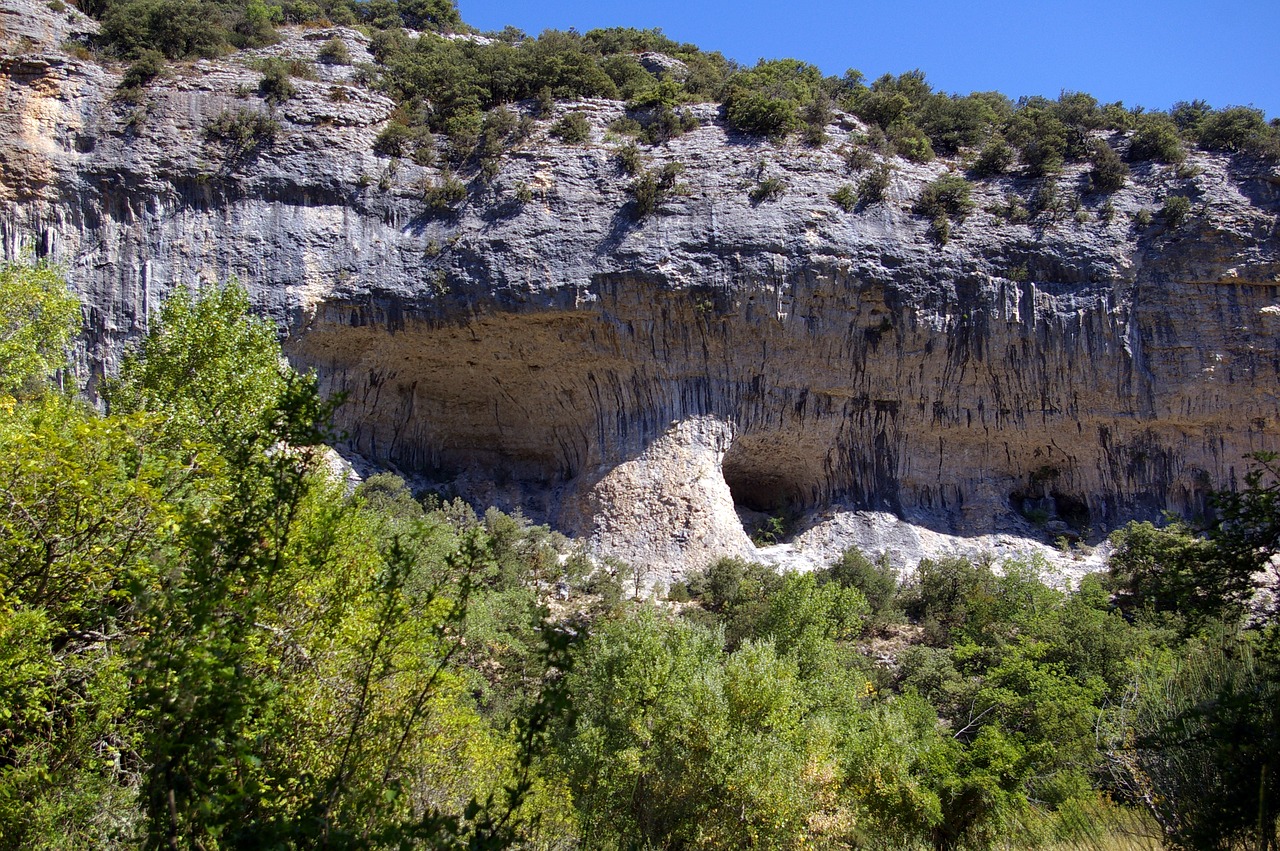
(631, 379)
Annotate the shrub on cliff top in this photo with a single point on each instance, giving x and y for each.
(1156, 138)
(1109, 171)
(769, 99)
(1239, 129)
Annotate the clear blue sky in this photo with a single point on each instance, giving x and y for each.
(1137, 51)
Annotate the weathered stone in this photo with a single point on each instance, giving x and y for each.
(663, 66)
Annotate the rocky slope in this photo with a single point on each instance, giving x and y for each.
(631, 379)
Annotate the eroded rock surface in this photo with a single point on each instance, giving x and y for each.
(629, 379)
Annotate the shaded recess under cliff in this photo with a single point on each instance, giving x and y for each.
(1002, 397)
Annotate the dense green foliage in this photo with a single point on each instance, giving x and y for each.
(37, 318)
(205, 644)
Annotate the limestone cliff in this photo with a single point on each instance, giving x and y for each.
(632, 379)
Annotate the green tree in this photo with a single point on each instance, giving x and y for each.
(769, 99)
(37, 320)
(676, 745)
(877, 580)
(212, 370)
(1197, 746)
(1156, 138)
(1247, 535)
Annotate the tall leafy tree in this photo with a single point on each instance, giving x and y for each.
(38, 317)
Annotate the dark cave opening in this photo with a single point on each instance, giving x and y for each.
(762, 477)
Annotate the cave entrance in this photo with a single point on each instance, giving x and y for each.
(768, 488)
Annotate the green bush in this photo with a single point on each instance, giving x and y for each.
(629, 161)
(951, 595)
(1187, 115)
(1238, 129)
(757, 114)
(242, 130)
(399, 140)
(334, 52)
(1047, 135)
(948, 197)
(463, 129)
(659, 93)
(771, 98)
(499, 130)
(910, 142)
(572, 129)
(1109, 172)
(651, 188)
(816, 114)
(629, 76)
(858, 158)
(995, 159)
(1154, 572)
(180, 29)
(1013, 210)
(1196, 742)
(1115, 116)
(443, 195)
(940, 230)
(149, 65)
(846, 197)
(661, 123)
(430, 15)
(954, 123)
(768, 189)
(625, 125)
(1047, 199)
(1156, 138)
(275, 86)
(877, 580)
(1176, 210)
(872, 188)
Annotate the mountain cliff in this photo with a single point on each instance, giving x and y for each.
(632, 369)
